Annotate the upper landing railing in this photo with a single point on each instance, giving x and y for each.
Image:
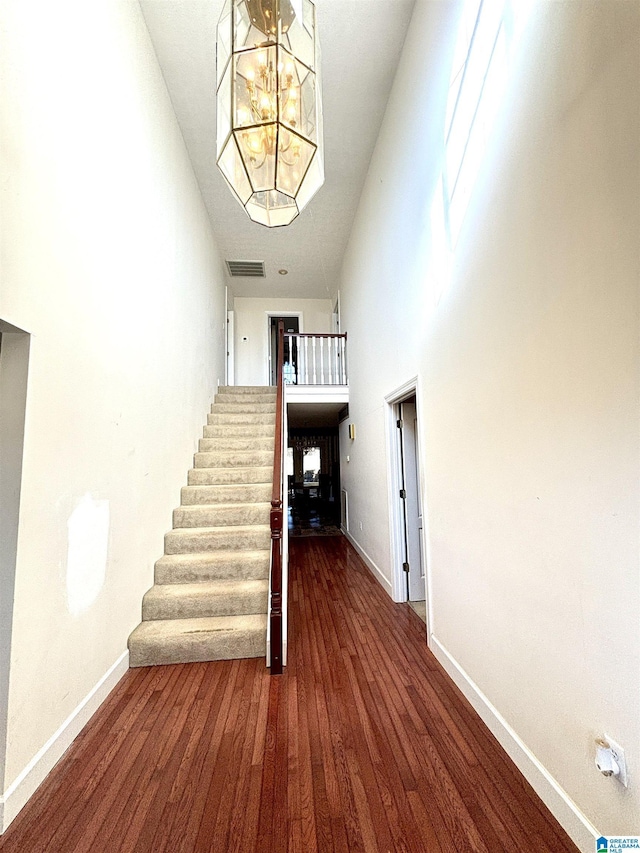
(315, 359)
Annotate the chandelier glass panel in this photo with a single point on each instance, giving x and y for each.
(269, 134)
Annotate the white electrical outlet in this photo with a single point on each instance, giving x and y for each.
(618, 754)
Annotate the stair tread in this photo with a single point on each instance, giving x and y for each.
(224, 494)
(168, 641)
(235, 476)
(231, 458)
(202, 599)
(224, 586)
(224, 505)
(205, 566)
(232, 416)
(238, 419)
(250, 406)
(257, 398)
(225, 487)
(225, 528)
(247, 389)
(200, 516)
(237, 452)
(183, 540)
(212, 557)
(239, 469)
(266, 428)
(236, 442)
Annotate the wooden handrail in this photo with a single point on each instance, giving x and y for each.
(314, 335)
(276, 517)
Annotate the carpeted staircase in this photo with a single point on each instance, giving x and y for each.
(209, 601)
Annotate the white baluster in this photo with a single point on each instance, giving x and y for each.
(344, 361)
(306, 361)
(330, 358)
(336, 343)
(287, 371)
(313, 347)
(322, 361)
(289, 376)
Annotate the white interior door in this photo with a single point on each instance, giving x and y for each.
(410, 497)
(291, 327)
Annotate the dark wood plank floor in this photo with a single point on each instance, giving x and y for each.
(363, 745)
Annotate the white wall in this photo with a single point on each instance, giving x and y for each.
(252, 331)
(109, 264)
(528, 391)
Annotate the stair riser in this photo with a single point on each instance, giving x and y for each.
(200, 646)
(234, 476)
(220, 516)
(246, 399)
(246, 390)
(197, 542)
(235, 419)
(243, 409)
(253, 443)
(234, 565)
(239, 431)
(199, 495)
(195, 608)
(234, 459)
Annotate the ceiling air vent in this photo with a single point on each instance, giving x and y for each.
(242, 269)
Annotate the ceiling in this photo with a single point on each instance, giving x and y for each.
(361, 43)
(313, 414)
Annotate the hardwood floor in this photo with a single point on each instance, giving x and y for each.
(362, 745)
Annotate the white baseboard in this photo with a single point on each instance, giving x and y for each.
(556, 799)
(382, 580)
(25, 785)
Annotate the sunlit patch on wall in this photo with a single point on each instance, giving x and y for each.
(441, 256)
(489, 34)
(88, 528)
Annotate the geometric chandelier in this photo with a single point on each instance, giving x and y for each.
(268, 101)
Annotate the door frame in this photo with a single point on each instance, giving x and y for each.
(336, 319)
(269, 315)
(396, 523)
(15, 345)
(229, 340)
(231, 343)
